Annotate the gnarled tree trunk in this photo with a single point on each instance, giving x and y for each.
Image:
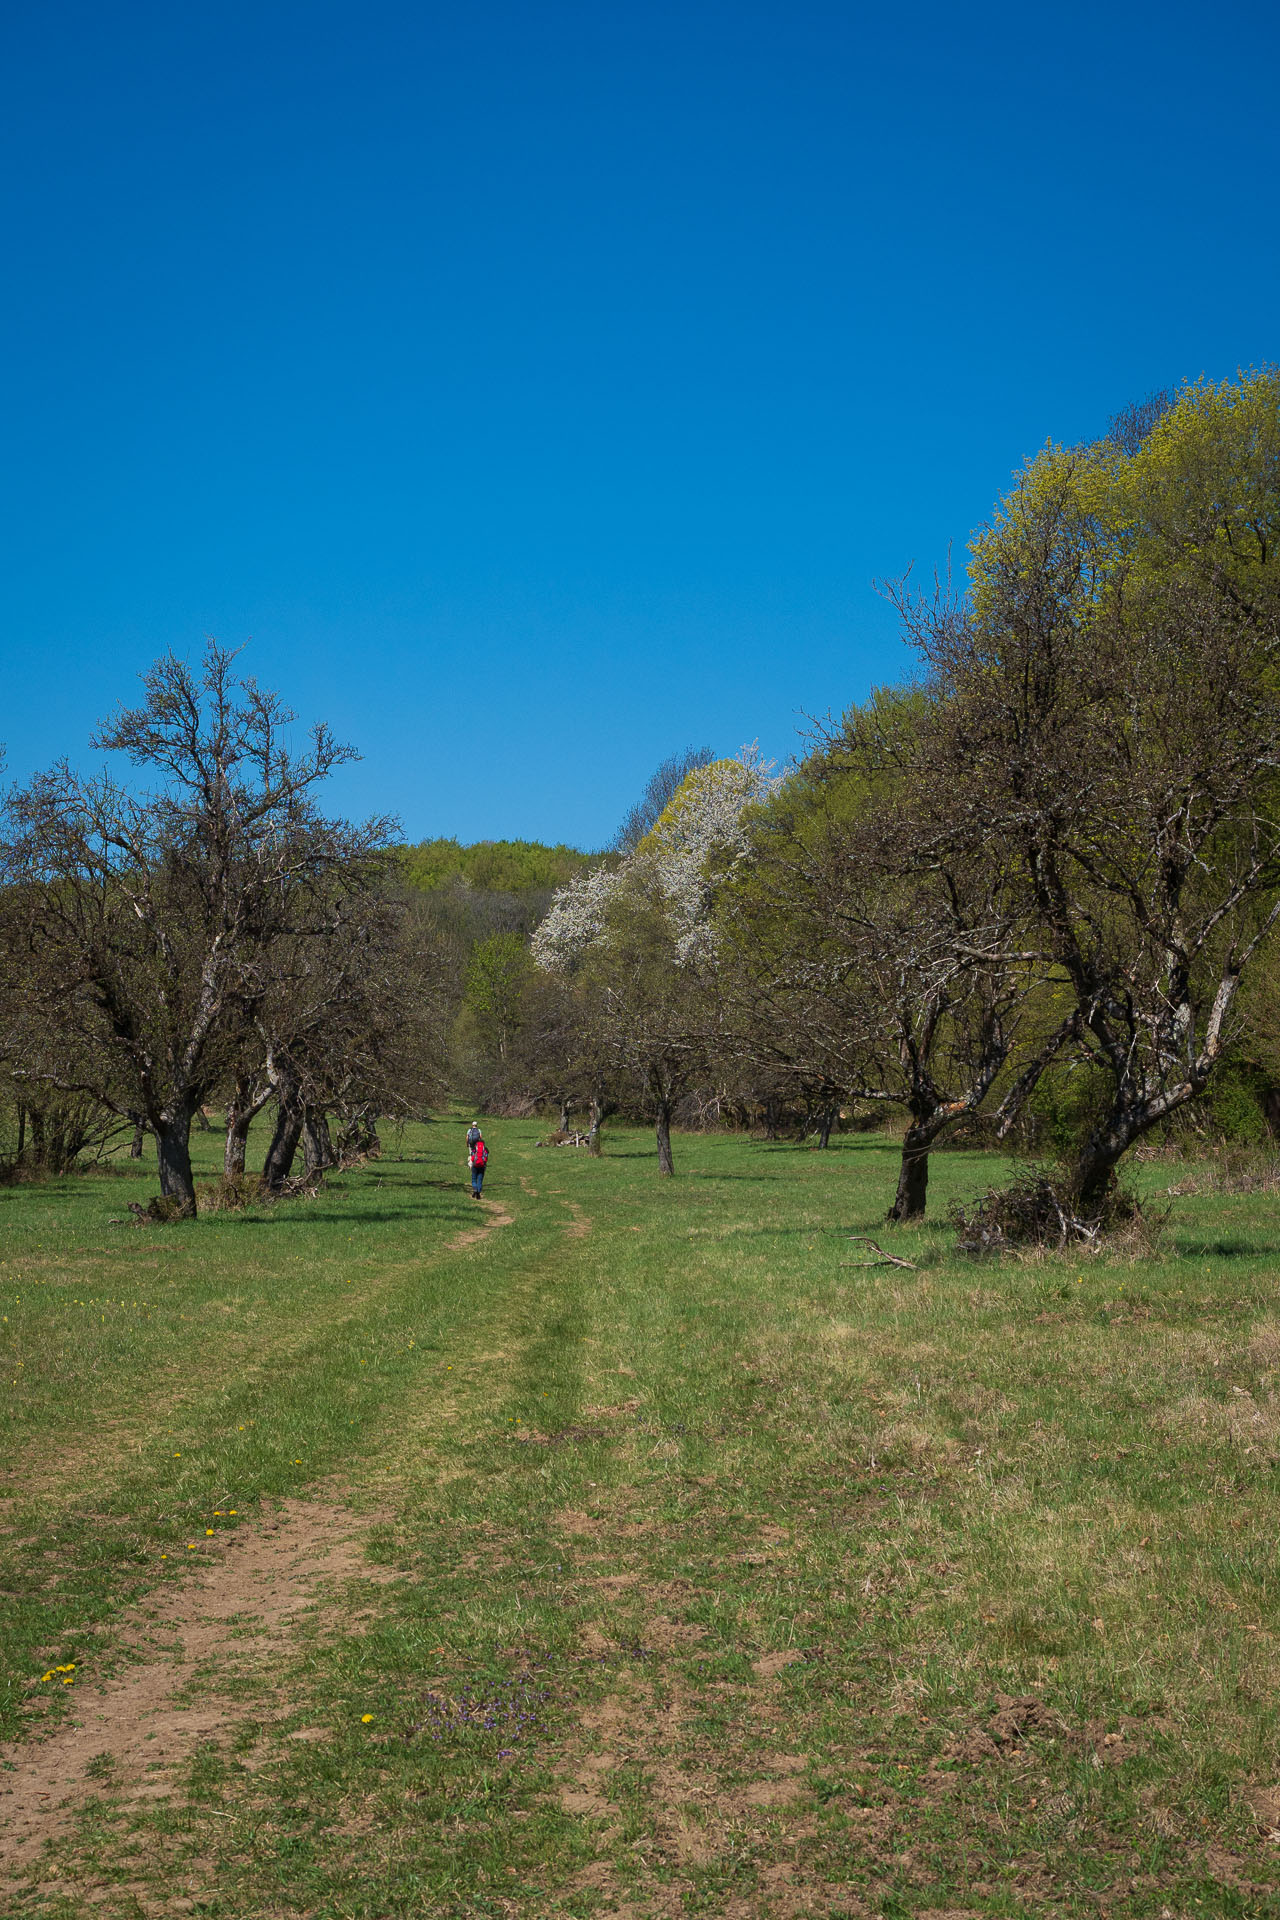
(317, 1145)
(913, 1173)
(284, 1141)
(243, 1108)
(173, 1153)
(284, 1145)
(599, 1109)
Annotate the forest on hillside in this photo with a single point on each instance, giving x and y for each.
(1028, 896)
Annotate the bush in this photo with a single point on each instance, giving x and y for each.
(1235, 1103)
(229, 1195)
(1068, 1102)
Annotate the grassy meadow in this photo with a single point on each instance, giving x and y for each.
(679, 1564)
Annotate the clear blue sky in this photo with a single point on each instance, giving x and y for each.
(543, 387)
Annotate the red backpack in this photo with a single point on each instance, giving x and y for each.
(480, 1154)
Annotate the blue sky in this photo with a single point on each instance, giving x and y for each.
(541, 389)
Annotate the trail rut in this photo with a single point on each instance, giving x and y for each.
(134, 1731)
(237, 1611)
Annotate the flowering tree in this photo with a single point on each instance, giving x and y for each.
(640, 937)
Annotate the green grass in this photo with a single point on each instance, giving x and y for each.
(701, 1566)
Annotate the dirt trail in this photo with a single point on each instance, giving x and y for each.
(580, 1225)
(67, 1472)
(237, 1611)
(131, 1734)
(498, 1217)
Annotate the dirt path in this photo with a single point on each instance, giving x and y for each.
(132, 1734)
(498, 1217)
(66, 1473)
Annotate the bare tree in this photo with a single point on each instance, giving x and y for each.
(350, 1030)
(663, 785)
(144, 917)
(880, 948)
(1129, 429)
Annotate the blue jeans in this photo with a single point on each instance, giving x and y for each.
(477, 1180)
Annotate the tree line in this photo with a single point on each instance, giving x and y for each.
(1034, 888)
(204, 930)
(1050, 860)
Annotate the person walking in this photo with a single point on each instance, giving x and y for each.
(477, 1158)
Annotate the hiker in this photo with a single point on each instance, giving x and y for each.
(477, 1158)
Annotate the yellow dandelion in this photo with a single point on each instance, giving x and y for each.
(191, 1546)
(232, 1514)
(365, 1718)
(208, 1532)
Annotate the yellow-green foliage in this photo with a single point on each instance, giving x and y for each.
(687, 805)
(497, 866)
(1199, 498)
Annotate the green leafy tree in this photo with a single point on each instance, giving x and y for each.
(1107, 700)
(496, 978)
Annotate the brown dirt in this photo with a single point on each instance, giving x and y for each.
(1016, 1718)
(1264, 1804)
(770, 1665)
(498, 1217)
(237, 1611)
(580, 1226)
(695, 1814)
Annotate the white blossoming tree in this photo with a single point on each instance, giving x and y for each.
(640, 941)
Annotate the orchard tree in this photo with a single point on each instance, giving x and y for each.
(142, 921)
(640, 942)
(1108, 716)
(878, 954)
(349, 1028)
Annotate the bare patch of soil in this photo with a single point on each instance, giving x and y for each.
(498, 1217)
(767, 1793)
(580, 1226)
(770, 1665)
(573, 1520)
(1264, 1804)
